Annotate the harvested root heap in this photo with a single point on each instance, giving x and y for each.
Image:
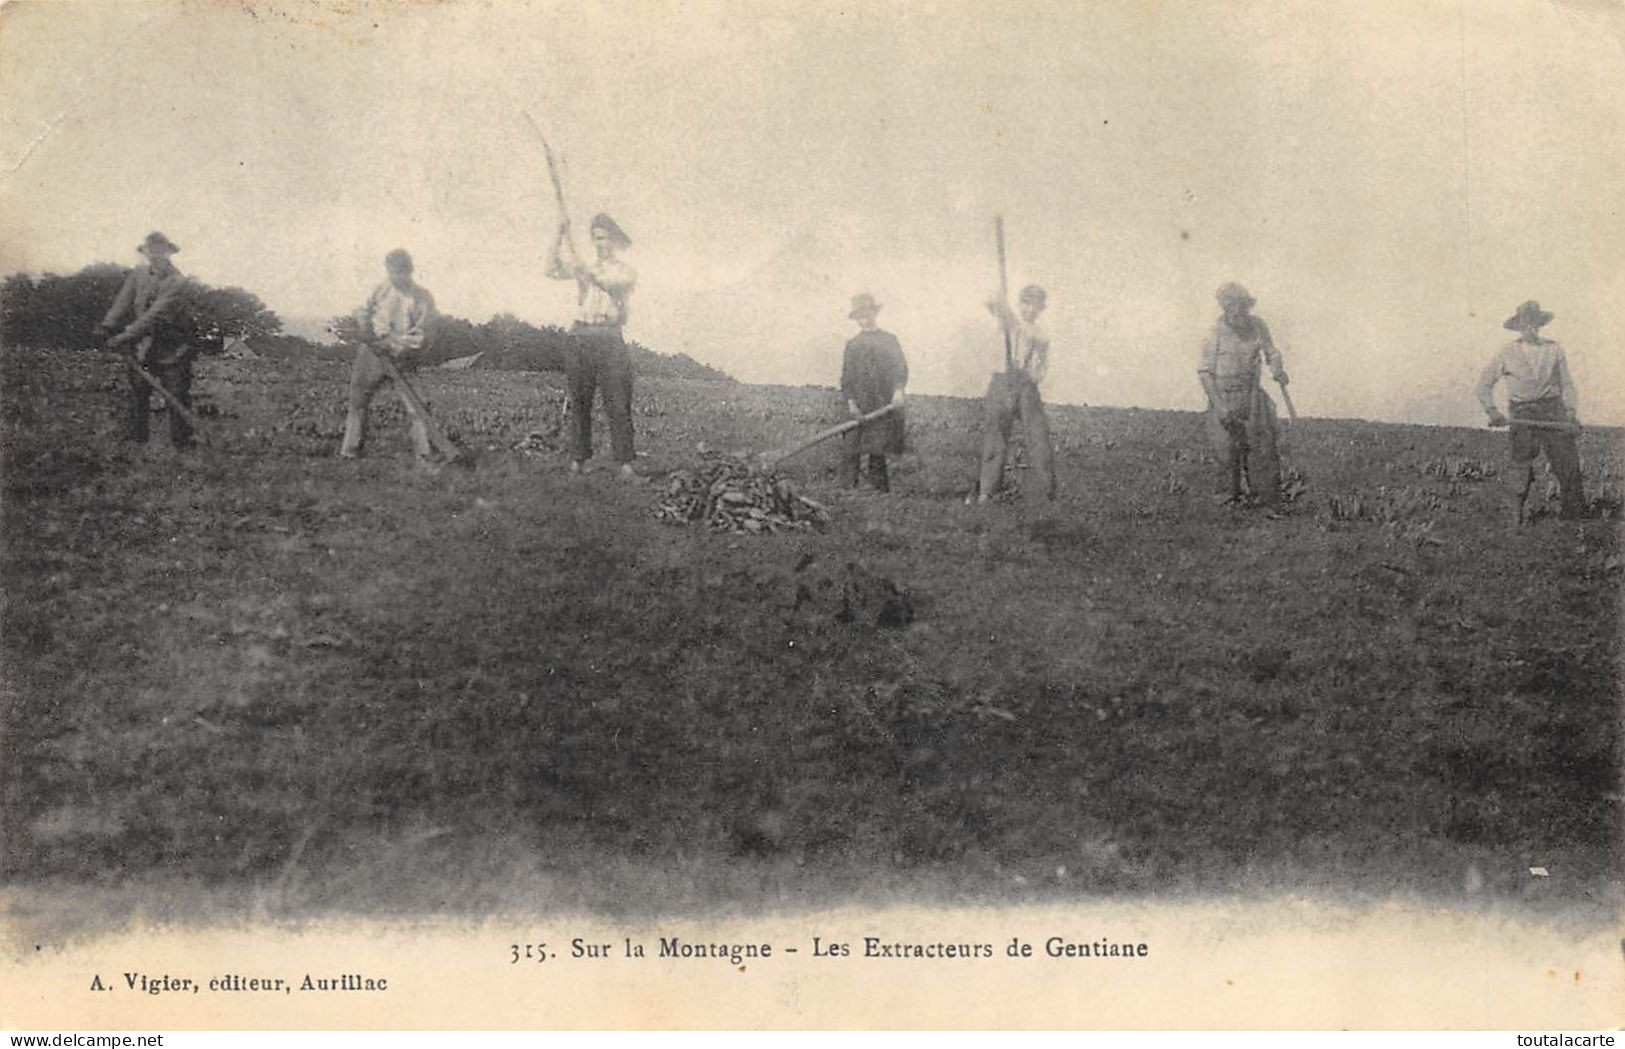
(728, 495)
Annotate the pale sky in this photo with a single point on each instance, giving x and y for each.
(1389, 180)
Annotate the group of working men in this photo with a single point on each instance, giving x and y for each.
(396, 325)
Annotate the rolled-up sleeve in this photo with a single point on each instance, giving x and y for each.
(169, 293)
(1571, 395)
(425, 321)
(1207, 362)
(1486, 382)
(121, 302)
(1272, 355)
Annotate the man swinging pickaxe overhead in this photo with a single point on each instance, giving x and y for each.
(599, 358)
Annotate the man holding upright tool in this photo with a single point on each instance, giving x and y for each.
(1241, 416)
(394, 329)
(1013, 393)
(1543, 402)
(159, 350)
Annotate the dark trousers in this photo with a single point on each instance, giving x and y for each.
(177, 379)
(1559, 446)
(852, 459)
(600, 359)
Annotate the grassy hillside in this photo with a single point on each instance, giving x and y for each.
(352, 686)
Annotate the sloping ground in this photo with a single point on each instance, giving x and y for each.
(352, 686)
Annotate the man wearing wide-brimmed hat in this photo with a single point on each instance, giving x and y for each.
(153, 297)
(599, 357)
(873, 375)
(1543, 402)
(1241, 417)
(1013, 394)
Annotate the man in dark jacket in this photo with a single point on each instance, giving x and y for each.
(153, 297)
(873, 375)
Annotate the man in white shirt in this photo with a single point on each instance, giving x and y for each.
(1543, 404)
(600, 357)
(398, 319)
(1013, 394)
(1241, 416)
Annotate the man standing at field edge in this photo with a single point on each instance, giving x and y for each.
(153, 297)
(599, 357)
(873, 375)
(1013, 394)
(1240, 415)
(398, 319)
(1541, 397)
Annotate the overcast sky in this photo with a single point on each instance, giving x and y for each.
(1390, 180)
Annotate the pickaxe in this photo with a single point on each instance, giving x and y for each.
(174, 402)
(1291, 410)
(769, 460)
(1004, 294)
(553, 174)
(437, 437)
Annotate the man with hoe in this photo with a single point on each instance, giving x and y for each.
(1543, 403)
(156, 339)
(873, 375)
(1241, 416)
(1013, 394)
(599, 357)
(397, 320)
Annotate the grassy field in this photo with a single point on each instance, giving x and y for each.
(319, 686)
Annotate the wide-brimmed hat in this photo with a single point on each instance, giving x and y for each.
(1233, 292)
(864, 305)
(613, 228)
(157, 242)
(1529, 315)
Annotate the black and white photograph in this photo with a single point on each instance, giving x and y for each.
(728, 516)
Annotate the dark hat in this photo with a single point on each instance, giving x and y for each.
(157, 242)
(1233, 292)
(864, 305)
(613, 228)
(1529, 315)
(399, 259)
(1033, 293)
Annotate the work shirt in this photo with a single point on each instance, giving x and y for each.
(1029, 345)
(150, 301)
(601, 289)
(401, 321)
(1232, 357)
(873, 369)
(1533, 371)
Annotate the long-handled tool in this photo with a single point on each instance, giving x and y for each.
(437, 437)
(771, 460)
(1291, 409)
(553, 174)
(1004, 295)
(174, 402)
(1538, 424)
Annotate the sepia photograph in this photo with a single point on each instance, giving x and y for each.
(534, 515)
